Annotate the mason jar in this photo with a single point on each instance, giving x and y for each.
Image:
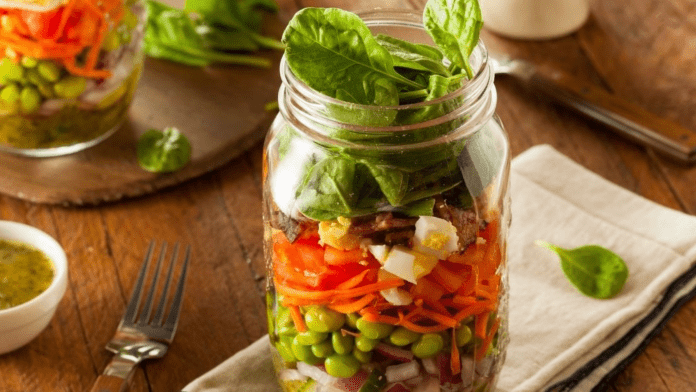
(68, 72)
(385, 235)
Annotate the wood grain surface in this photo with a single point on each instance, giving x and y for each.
(642, 50)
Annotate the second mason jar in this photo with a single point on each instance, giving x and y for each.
(385, 235)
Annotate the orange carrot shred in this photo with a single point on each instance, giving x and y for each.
(481, 352)
(297, 319)
(352, 282)
(455, 359)
(480, 325)
(354, 306)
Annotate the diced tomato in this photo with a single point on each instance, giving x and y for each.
(42, 25)
(334, 256)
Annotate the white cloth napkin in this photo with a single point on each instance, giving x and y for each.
(560, 340)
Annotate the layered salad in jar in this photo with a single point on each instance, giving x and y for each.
(386, 266)
(68, 71)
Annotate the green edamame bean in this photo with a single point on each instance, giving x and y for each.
(373, 330)
(462, 335)
(32, 76)
(322, 349)
(342, 365)
(341, 344)
(29, 99)
(10, 93)
(428, 345)
(49, 71)
(284, 346)
(324, 320)
(70, 87)
(28, 62)
(365, 344)
(112, 41)
(402, 336)
(311, 337)
(130, 20)
(362, 356)
(304, 353)
(352, 319)
(10, 71)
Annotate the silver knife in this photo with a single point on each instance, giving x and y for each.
(632, 121)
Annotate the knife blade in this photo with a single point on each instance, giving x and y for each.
(639, 125)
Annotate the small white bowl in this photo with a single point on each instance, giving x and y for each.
(22, 323)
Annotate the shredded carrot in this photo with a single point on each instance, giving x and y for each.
(354, 306)
(423, 329)
(329, 295)
(455, 359)
(352, 282)
(481, 352)
(480, 325)
(472, 310)
(440, 318)
(298, 319)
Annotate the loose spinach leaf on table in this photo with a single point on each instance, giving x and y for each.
(595, 271)
(163, 151)
(454, 25)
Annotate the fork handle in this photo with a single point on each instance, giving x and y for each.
(106, 383)
(116, 375)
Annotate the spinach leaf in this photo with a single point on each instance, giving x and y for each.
(173, 35)
(329, 189)
(454, 25)
(413, 56)
(392, 181)
(163, 151)
(595, 271)
(334, 52)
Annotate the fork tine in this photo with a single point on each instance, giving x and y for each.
(134, 302)
(147, 306)
(159, 314)
(173, 318)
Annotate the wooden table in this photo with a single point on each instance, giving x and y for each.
(642, 50)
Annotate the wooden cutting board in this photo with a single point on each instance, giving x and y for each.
(219, 108)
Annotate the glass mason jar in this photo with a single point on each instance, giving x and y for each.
(68, 72)
(385, 236)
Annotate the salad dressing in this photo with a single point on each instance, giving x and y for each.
(25, 272)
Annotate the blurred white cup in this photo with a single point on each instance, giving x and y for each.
(534, 19)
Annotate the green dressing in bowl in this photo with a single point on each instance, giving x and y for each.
(25, 272)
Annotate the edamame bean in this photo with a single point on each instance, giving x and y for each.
(304, 353)
(130, 20)
(402, 336)
(373, 330)
(362, 356)
(462, 335)
(341, 344)
(342, 365)
(321, 319)
(70, 87)
(10, 93)
(46, 90)
(10, 71)
(29, 62)
(284, 346)
(322, 349)
(428, 345)
(311, 337)
(352, 319)
(112, 41)
(29, 99)
(49, 71)
(364, 343)
(33, 77)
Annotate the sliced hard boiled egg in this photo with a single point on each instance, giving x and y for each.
(380, 252)
(408, 264)
(436, 237)
(397, 296)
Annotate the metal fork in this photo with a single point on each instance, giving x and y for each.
(140, 338)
